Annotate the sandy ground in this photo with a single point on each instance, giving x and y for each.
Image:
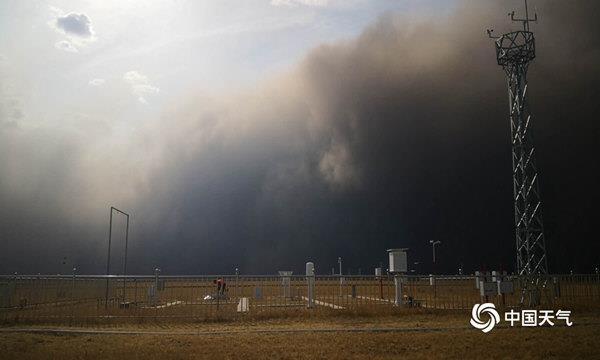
(417, 336)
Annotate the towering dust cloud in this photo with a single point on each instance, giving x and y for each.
(390, 139)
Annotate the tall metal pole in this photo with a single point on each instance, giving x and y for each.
(112, 208)
(108, 257)
(433, 244)
(125, 260)
(526, 23)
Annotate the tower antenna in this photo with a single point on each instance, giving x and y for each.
(514, 52)
(526, 20)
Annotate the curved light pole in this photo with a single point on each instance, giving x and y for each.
(112, 208)
(433, 244)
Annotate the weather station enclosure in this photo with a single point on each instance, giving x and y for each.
(286, 280)
(310, 284)
(398, 262)
(398, 266)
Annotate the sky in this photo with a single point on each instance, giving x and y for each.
(263, 134)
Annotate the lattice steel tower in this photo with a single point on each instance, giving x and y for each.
(514, 52)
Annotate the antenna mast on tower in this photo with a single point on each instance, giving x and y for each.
(514, 52)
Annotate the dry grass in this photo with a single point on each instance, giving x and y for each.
(443, 335)
(195, 330)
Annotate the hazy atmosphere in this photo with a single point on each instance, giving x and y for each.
(264, 134)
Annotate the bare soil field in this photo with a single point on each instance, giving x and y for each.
(421, 335)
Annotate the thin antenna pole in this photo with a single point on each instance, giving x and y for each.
(524, 20)
(526, 23)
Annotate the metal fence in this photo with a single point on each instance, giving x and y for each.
(86, 298)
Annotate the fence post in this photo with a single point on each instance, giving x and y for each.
(310, 282)
(72, 297)
(237, 278)
(434, 283)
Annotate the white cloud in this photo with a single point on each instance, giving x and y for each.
(96, 82)
(76, 27)
(140, 85)
(66, 46)
(74, 24)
